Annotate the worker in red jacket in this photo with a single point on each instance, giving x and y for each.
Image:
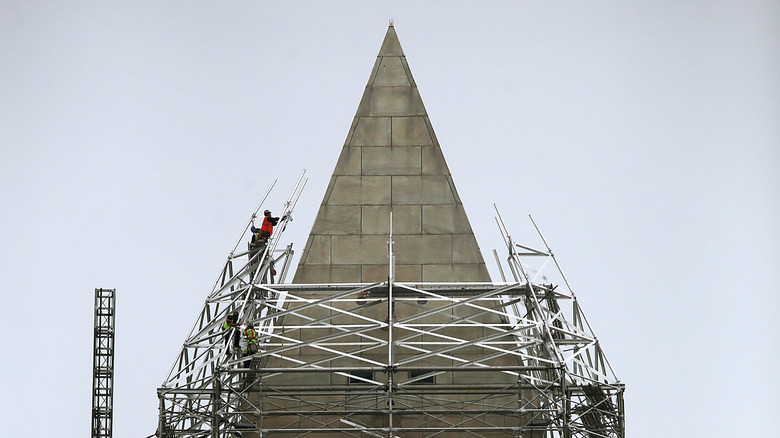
(267, 228)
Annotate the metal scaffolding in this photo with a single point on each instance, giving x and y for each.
(515, 358)
(196, 399)
(103, 364)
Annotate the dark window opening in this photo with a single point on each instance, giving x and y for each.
(356, 376)
(414, 374)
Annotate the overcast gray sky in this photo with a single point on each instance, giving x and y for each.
(136, 138)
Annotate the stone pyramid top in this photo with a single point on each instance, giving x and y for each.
(391, 162)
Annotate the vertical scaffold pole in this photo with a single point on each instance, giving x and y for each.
(103, 364)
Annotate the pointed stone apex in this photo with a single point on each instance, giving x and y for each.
(391, 46)
(391, 162)
(391, 22)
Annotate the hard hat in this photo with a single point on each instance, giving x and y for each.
(267, 212)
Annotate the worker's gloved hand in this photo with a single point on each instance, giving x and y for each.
(287, 216)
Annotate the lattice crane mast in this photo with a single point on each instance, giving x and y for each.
(103, 364)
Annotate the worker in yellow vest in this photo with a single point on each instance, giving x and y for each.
(251, 342)
(231, 323)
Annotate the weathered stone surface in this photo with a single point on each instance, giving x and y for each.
(423, 190)
(356, 250)
(465, 250)
(317, 250)
(372, 131)
(433, 162)
(359, 190)
(410, 131)
(390, 73)
(407, 219)
(310, 273)
(392, 161)
(423, 249)
(375, 219)
(452, 272)
(391, 101)
(337, 219)
(350, 162)
(445, 219)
